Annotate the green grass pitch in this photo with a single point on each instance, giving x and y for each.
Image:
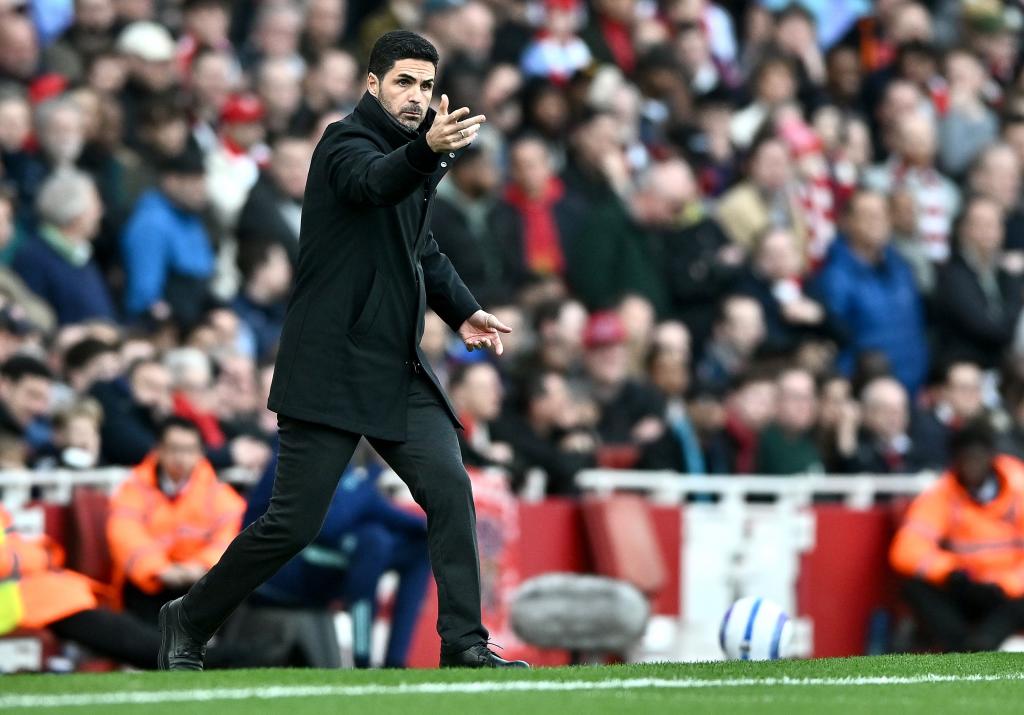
(983, 683)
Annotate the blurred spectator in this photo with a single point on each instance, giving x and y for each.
(234, 166)
(738, 332)
(610, 32)
(997, 174)
(325, 27)
(89, 361)
(679, 448)
(19, 48)
(643, 248)
(978, 301)
(170, 521)
(912, 167)
(535, 193)
(558, 52)
(276, 35)
(133, 408)
(958, 401)
(787, 445)
(774, 83)
(168, 258)
(871, 291)
(960, 552)
(482, 236)
(148, 51)
(764, 199)
(546, 433)
(477, 393)
(204, 25)
(630, 411)
(272, 210)
(35, 308)
(874, 437)
(792, 313)
(57, 264)
(262, 301)
(968, 124)
(91, 33)
(76, 437)
(25, 385)
(279, 86)
(749, 408)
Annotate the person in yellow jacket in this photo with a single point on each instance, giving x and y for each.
(36, 592)
(169, 521)
(961, 547)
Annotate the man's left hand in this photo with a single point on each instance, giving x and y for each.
(482, 330)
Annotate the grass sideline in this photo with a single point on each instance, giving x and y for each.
(979, 683)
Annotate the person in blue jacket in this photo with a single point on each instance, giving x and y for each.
(870, 290)
(168, 256)
(363, 536)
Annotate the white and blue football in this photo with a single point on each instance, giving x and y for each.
(755, 628)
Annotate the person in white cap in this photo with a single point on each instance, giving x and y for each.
(149, 52)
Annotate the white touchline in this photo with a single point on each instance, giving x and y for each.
(275, 692)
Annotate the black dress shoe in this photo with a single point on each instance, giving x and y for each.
(479, 656)
(179, 649)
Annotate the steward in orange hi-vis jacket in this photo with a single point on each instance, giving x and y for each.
(170, 521)
(961, 546)
(43, 591)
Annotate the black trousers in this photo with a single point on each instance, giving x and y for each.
(146, 606)
(965, 618)
(311, 460)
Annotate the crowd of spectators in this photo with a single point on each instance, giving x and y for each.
(731, 237)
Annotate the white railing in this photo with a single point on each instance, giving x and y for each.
(17, 487)
(855, 491)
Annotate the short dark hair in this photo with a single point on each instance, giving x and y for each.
(976, 433)
(85, 351)
(20, 366)
(254, 254)
(399, 45)
(182, 423)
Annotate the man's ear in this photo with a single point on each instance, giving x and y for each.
(373, 84)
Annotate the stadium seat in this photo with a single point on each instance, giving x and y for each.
(623, 541)
(88, 551)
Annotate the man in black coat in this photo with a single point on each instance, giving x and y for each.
(350, 364)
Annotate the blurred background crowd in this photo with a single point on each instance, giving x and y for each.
(732, 237)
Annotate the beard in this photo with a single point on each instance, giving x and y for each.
(403, 119)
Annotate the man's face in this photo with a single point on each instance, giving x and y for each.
(482, 392)
(531, 167)
(186, 190)
(179, 452)
(743, 328)
(151, 388)
(96, 15)
(798, 402)
(213, 79)
(972, 466)
(608, 365)
(983, 230)
(289, 165)
(770, 169)
(26, 399)
(963, 391)
(63, 136)
(405, 91)
(869, 221)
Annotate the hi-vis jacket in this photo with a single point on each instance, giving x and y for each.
(148, 531)
(945, 530)
(34, 590)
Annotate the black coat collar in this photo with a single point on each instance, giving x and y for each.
(372, 113)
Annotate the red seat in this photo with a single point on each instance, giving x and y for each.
(88, 551)
(624, 543)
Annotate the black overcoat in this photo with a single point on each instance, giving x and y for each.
(368, 268)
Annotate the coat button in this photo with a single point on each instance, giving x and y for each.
(444, 164)
(451, 155)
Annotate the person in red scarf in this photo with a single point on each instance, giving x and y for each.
(609, 34)
(535, 193)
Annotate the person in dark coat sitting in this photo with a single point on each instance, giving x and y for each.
(481, 235)
(57, 263)
(272, 210)
(978, 301)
